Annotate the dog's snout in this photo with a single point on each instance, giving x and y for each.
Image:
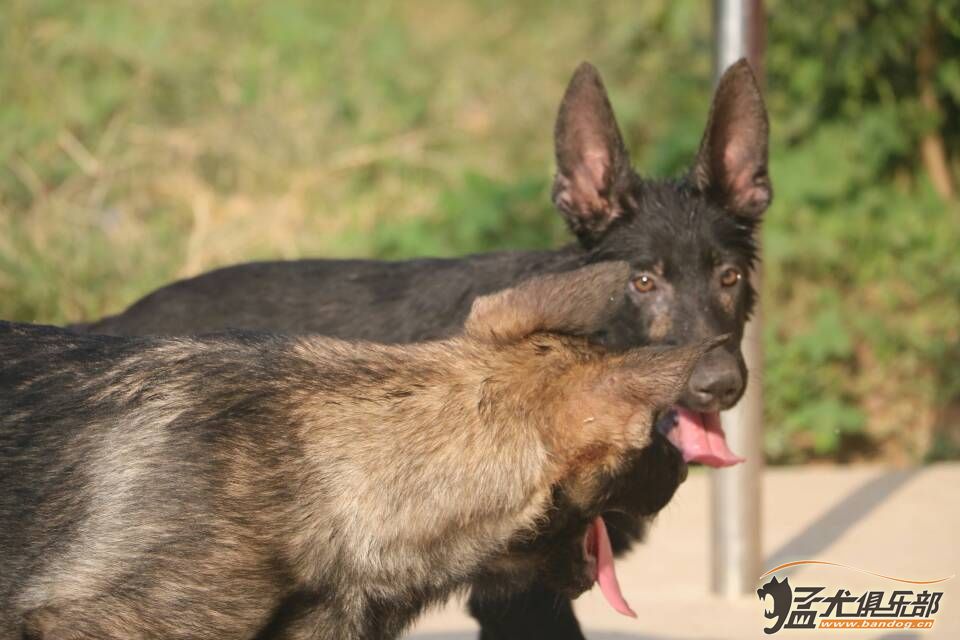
(721, 388)
(717, 383)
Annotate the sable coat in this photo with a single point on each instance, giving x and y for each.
(258, 486)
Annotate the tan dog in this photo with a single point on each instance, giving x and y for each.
(257, 486)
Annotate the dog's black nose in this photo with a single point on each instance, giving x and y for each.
(716, 389)
(722, 389)
(714, 385)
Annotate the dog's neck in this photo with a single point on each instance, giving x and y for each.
(484, 482)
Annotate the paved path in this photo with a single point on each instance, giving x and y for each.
(901, 523)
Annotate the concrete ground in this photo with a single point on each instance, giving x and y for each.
(900, 523)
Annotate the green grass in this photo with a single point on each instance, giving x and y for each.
(146, 141)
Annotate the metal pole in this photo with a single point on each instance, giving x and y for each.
(735, 503)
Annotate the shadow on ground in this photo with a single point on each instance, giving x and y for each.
(828, 528)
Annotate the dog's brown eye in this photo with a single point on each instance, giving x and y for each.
(644, 283)
(730, 277)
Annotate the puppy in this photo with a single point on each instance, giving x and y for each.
(259, 486)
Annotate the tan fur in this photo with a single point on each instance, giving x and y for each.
(377, 478)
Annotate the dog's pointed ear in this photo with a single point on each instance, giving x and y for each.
(593, 167)
(576, 302)
(657, 376)
(731, 166)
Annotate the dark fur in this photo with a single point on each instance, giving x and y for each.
(684, 235)
(259, 486)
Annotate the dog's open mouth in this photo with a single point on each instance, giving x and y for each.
(699, 437)
(599, 555)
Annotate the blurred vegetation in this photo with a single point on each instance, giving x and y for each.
(146, 141)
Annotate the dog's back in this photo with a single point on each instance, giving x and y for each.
(31, 474)
(390, 302)
(41, 378)
(86, 460)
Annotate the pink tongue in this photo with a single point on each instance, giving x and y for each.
(700, 438)
(606, 574)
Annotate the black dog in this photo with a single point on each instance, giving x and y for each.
(690, 243)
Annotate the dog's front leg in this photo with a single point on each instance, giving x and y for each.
(536, 613)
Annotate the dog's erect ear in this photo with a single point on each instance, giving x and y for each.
(576, 302)
(593, 168)
(656, 376)
(731, 166)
